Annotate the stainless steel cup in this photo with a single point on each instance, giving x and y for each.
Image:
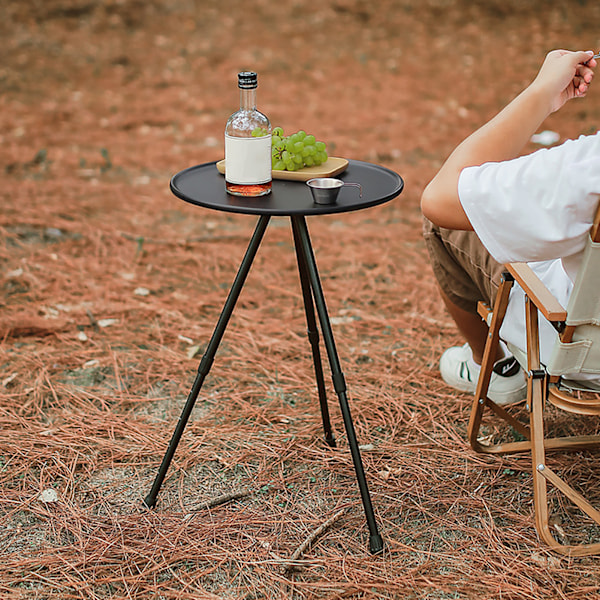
(325, 190)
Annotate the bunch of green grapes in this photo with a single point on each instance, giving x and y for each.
(295, 151)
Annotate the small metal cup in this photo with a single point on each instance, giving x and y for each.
(325, 190)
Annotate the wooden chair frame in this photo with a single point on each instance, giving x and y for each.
(541, 387)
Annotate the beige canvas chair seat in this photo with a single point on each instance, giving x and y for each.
(576, 352)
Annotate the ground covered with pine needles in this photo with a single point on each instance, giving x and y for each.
(110, 288)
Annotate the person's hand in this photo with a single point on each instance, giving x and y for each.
(565, 75)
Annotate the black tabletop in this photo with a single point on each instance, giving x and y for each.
(205, 186)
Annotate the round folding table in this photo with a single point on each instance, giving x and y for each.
(204, 186)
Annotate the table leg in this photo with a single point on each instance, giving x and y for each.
(313, 337)
(209, 354)
(299, 223)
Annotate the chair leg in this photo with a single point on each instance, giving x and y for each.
(542, 474)
(481, 400)
(538, 460)
(535, 397)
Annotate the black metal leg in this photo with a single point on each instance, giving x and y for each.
(209, 355)
(299, 223)
(313, 338)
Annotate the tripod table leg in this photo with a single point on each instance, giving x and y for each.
(375, 540)
(313, 337)
(209, 355)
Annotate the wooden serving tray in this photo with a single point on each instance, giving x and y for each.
(332, 166)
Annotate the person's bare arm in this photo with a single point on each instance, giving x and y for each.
(563, 75)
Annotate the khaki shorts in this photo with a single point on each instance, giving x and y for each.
(464, 269)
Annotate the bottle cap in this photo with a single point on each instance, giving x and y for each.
(247, 80)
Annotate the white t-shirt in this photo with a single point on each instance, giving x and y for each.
(536, 209)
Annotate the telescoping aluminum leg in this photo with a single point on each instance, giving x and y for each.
(209, 355)
(313, 338)
(299, 223)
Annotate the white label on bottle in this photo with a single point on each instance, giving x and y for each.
(248, 160)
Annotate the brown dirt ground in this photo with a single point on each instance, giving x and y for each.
(110, 287)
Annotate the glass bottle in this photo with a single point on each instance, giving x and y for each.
(248, 144)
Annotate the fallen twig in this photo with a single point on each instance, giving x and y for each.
(291, 564)
(219, 500)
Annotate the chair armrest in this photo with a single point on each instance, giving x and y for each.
(537, 292)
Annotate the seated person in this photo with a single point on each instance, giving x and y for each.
(488, 206)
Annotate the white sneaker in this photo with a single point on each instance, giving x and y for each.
(507, 384)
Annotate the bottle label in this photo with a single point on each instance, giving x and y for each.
(248, 160)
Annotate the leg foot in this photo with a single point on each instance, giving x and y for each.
(376, 544)
(149, 501)
(330, 441)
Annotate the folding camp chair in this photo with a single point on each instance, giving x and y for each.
(577, 350)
